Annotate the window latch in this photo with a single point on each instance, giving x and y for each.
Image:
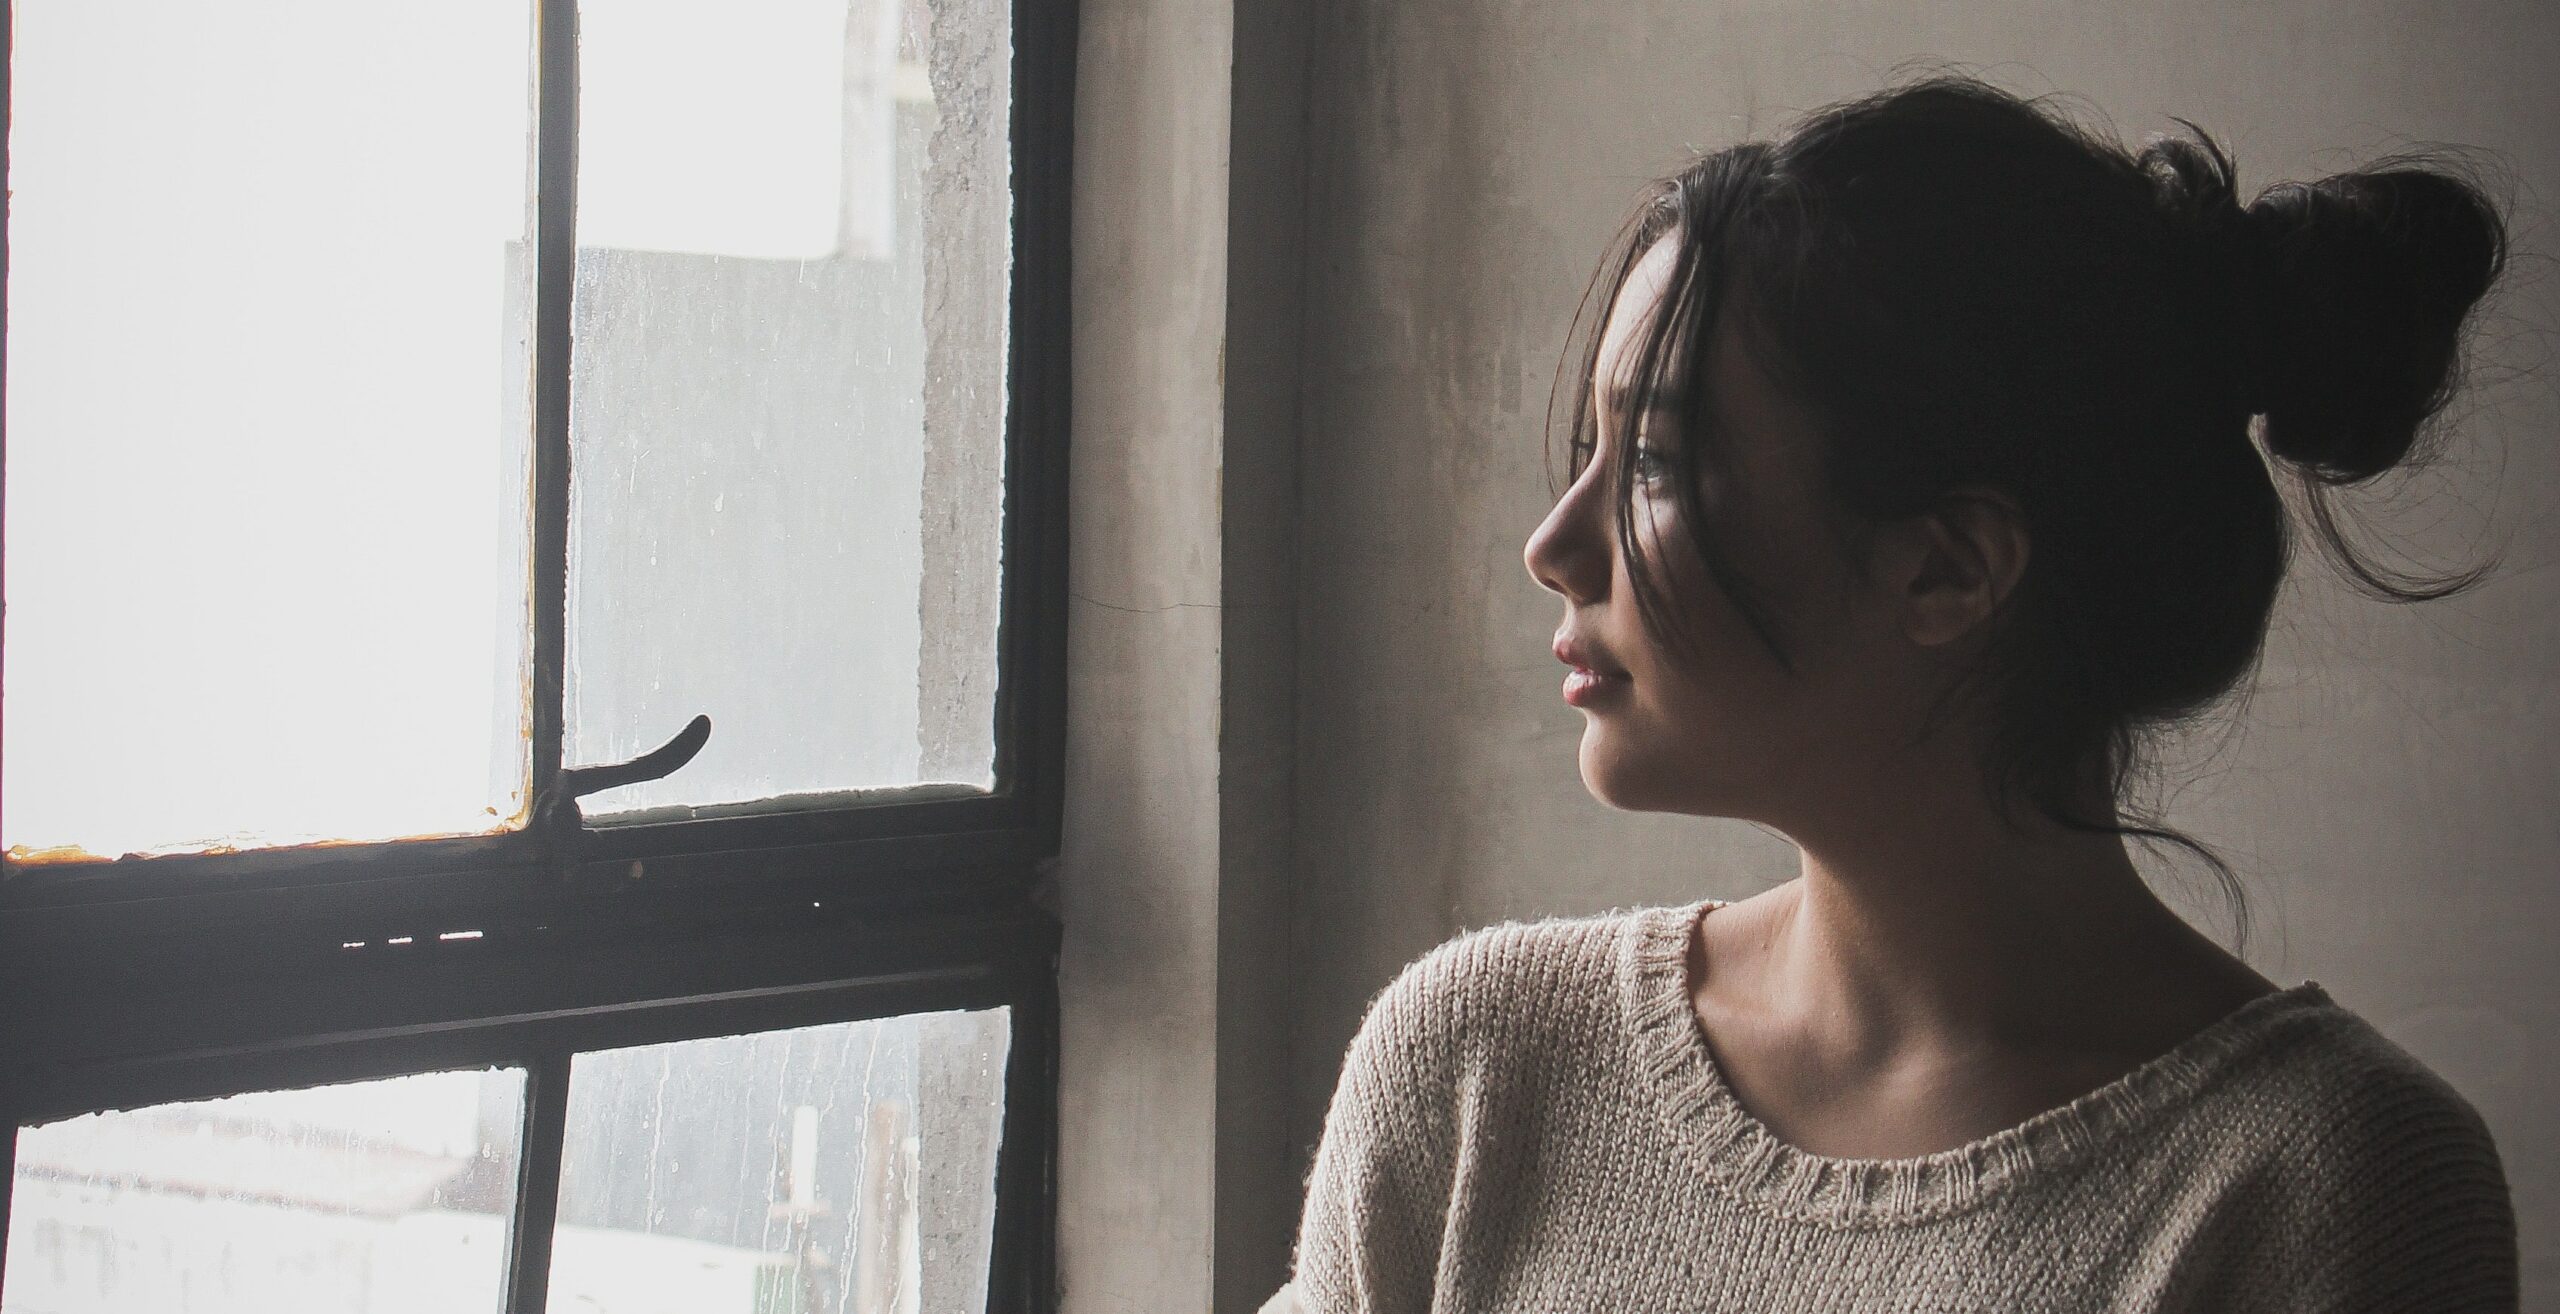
(557, 818)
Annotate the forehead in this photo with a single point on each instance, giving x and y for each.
(1638, 298)
(1761, 430)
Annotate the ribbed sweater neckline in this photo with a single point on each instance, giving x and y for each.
(1744, 1157)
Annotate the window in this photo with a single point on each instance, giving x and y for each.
(534, 575)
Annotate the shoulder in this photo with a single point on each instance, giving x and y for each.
(1490, 1017)
(1500, 989)
(2358, 1107)
(1452, 1072)
(2396, 1196)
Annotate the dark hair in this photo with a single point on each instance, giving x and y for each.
(1971, 291)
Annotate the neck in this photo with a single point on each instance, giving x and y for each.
(1924, 918)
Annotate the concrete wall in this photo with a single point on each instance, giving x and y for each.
(2388, 796)
(1178, 1183)
(1139, 877)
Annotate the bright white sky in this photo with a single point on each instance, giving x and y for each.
(723, 137)
(264, 569)
(432, 1112)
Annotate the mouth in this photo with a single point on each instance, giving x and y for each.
(1592, 678)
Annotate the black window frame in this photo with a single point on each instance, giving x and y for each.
(148, 980)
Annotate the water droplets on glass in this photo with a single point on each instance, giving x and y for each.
(374, 1197)
(823, 1170)
(788, 394)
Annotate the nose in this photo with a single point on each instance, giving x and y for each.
(1569, 552)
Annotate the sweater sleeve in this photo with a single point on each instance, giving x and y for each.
(2418, 1209)
(1378, 1195)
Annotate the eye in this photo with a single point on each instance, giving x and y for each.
(1652, 465)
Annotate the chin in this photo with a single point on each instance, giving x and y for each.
(1632, 783)
(1628, 786)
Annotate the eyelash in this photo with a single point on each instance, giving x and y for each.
(1652, 465)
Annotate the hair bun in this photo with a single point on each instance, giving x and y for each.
(2363, 283)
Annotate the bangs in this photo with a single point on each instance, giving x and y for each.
(1703, 214)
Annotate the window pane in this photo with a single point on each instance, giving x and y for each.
(379, 1197)
(845, 1169)
(266, 487)
(787, 485)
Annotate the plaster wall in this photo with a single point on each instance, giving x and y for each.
(1139, 867)
(2387, 795)
(1176, 1190)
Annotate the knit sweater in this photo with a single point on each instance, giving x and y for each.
(1529, 1122)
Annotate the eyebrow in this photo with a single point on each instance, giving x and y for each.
(1618, 394)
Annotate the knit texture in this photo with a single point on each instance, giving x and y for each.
(1529, 1123)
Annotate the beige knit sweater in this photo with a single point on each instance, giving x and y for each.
(1529, 1123)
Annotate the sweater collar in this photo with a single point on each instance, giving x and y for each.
(1741, 1154)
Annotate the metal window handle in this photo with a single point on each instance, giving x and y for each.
(656, 764)
(557, 817)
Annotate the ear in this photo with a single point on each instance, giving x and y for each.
(1949, 568)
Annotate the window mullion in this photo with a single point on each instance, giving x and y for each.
(555, 282)
(537, 1201)
(555, 247)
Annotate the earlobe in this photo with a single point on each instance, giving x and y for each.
(1970, 553)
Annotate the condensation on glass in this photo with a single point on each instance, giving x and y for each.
(788, 393)
(375, 1197)
(840, 1169)
(268, 341)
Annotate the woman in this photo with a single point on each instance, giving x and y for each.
(1917, 481)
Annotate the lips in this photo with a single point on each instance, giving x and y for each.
(1595, 681)
(1578, 655)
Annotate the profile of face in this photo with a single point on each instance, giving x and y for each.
(1730, 729)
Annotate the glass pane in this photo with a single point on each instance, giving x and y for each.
(787, 488)
(845, 1169)
(266, 486)
(378, 1197)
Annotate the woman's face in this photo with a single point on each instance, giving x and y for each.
(1731, 732)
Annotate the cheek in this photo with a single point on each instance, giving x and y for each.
(1695, 733)
(1714, 660)
(1718, 726)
